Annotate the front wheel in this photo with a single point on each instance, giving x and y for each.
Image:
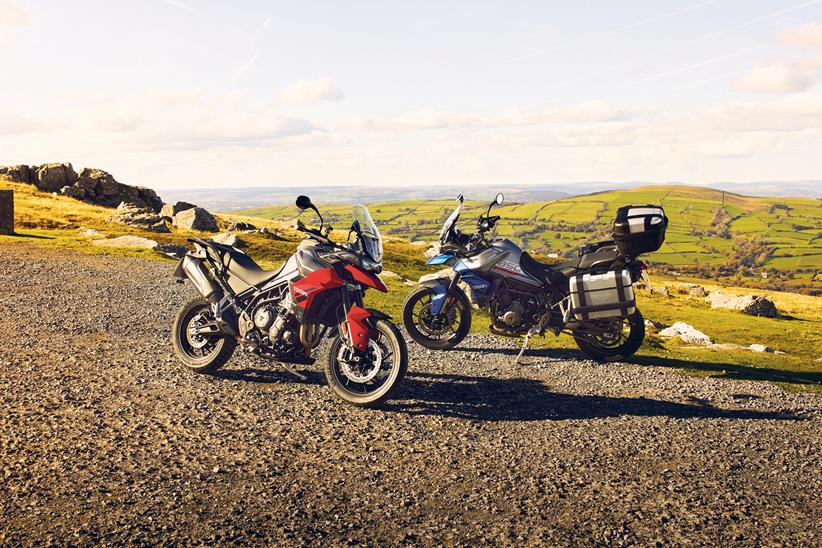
(443, 331)
(368, 378)
(613, 339)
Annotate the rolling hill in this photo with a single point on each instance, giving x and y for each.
(708, 228)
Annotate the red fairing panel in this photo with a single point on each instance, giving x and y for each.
(306, 290)
(359, 329)
(366, 278)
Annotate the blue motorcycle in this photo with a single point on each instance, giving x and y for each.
(590, 297)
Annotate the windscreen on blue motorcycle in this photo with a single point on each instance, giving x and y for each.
(450, 222)
(371, 239)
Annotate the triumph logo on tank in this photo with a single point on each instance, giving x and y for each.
(509, 267)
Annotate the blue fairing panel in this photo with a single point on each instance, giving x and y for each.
(440, 259)
(438, 300)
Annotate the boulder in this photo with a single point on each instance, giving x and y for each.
(241, 225)
(687, 333)
(73, 192)
(273, 234)
(693, 290)
(170, 210)
(140, 217)
(91, 233)
(227, 238)
(53, 177)
(753, 305)
(17, 174)
(654, 324)
(174, 250)
(660, 290)
(760, 348)
(134, 242)
(196, 218)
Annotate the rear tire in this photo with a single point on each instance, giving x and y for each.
(368, 393)
(416, 311)
(633, 333)
(198, 353)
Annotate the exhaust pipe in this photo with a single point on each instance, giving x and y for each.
(197, 273)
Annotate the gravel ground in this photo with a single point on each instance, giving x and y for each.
(107, 438)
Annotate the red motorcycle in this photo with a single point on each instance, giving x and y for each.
(283, 314)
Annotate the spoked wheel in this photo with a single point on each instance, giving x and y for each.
(614, 339)
(440, 332)
(368, 378)
(200, 353)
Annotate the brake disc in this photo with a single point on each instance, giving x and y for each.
(373, 355)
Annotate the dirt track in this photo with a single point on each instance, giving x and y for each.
(105, 437)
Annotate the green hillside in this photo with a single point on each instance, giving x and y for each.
(715, 232)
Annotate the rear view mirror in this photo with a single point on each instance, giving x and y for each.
(499, 199)
(304, 202)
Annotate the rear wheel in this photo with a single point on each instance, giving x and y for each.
(368, 378)
(440, 332)
(613, 339)
(200, 353)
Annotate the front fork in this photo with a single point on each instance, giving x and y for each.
(443, 299)
(355, 328)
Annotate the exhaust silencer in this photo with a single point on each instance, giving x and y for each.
(197, 273)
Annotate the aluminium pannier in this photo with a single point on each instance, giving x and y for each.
(639, 229)
(602, 296)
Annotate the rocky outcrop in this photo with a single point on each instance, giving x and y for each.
(241, 225)
(170, 210)
(692, 290)
(753, 305)
(140, 217)
(53, 177)
(687, 333)
(133, 242)
(91, 185)
(196, 218)
(173, 250)
(101, 188)
(17, 174)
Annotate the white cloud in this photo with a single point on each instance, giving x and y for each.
(311, 91)
(595, 111)
(12, 16)
(788, 77)
(805, 37)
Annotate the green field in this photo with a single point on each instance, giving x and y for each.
(708, 228)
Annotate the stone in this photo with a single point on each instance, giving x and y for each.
(17, 174)
(654, 324)
(53, 177)
(693, 290)
(141, 217)
(687, 333)
(196, 219)
(101, 188)
(241, 225)
(91, 233)
(760, 348)
(6, 212)
(170, 210)
(73, 192)
(174, 250)
(753, 305)
(135, 242)
(227, 238)
(660, 290)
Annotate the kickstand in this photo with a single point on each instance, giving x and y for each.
(295, 373)
(524, 346)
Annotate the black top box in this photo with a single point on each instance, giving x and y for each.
(639, 229)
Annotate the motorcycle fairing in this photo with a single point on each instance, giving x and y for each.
(440, 259)
(361, 276)
(304, 292)
(358, 325)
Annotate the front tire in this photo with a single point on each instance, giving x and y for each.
(622, 338)
(199, 353)
(373, 378)
(441, 333)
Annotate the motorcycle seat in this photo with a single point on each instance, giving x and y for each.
(243, 266)
(548, 273)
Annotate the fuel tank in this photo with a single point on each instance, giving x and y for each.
(502, 259)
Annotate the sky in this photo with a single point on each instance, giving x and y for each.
(203, 93)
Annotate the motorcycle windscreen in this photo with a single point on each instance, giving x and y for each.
(371, 238)
(450, 222)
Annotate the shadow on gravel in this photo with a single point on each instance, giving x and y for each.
(268, 376)
(734, 371)
(497, 399)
